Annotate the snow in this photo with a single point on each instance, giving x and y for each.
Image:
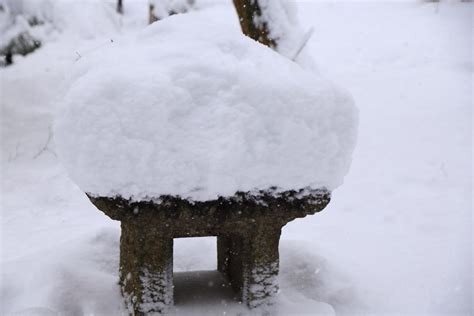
(163, 9)
(198, 110)
(281, 19)
(151, 303)
(265, 285)
(65, 19)
(396, 238)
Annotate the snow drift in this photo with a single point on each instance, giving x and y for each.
(191, 107)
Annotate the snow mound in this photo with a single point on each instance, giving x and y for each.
(191, 107)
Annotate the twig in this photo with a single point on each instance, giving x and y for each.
(46, 145)
(78, 56)
(303, 43)
(15, 155)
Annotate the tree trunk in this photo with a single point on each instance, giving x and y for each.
(120, 6)
(247, 10)
(8, 59)
(151, 16)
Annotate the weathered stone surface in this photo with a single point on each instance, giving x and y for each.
(247, 226)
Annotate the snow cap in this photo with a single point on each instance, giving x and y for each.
(192, 107)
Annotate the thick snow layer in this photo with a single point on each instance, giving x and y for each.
(191, 107)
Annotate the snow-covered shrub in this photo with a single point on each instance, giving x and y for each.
(203, 112)
(22, 44)
(160, 9)
(16, 24)
(27, 24)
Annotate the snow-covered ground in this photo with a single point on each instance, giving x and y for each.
(396, 238)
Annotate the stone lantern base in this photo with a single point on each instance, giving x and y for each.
(247, 226)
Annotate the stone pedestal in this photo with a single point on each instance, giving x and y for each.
(247, 226)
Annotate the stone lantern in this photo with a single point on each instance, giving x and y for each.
(247, 226)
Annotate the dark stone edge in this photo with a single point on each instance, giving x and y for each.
(306, 201)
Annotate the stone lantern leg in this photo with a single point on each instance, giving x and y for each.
(251, 263)
(248, 228)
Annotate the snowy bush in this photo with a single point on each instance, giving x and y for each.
(191, 107)
(26, 24)
(164, 8)
(16, 25)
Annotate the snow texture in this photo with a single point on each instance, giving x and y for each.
(198, 110)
